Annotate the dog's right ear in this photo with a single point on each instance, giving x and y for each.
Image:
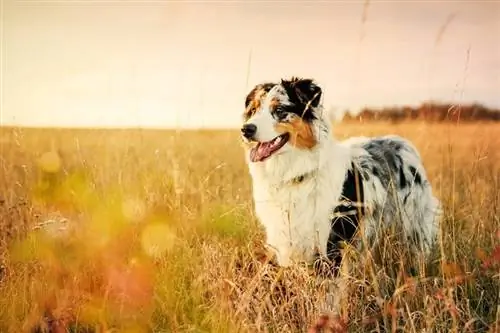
(258, 92)
(254, 98)
(250, 96)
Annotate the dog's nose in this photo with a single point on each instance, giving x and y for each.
(249, 130)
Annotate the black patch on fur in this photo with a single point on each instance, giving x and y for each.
(387, 149)
(405, 199)
(304, 96)
(417, 179)
(402, 177)
(388, 167)
(267, 86)
(344, 227)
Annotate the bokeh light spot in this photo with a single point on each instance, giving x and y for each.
(133, 209)
(50, 162)
(157, 238)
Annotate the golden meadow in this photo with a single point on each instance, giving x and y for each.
(153, 231)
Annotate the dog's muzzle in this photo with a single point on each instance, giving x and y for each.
(248, 131)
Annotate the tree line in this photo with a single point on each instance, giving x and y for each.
(431, 112)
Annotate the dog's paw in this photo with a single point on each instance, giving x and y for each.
(264, 256)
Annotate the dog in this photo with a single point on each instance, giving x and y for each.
(312, 192)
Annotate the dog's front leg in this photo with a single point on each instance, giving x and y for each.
(283, 255)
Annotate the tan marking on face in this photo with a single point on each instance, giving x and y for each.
(256, 103)
(301, 132)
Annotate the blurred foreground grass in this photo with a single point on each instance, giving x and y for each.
(153, 231)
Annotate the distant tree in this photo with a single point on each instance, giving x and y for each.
(428, 111)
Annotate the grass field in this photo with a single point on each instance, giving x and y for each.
(153, 231)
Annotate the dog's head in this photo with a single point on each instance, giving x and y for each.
(279, 117)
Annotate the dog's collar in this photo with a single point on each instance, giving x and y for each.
(301, 178)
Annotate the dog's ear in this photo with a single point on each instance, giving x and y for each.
(258, 91)
(303, 91)
(250, 96)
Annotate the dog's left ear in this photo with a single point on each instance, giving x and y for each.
(306, 91)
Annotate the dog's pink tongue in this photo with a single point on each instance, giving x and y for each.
(261, 152)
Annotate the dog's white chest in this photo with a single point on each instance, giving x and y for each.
(296, 219)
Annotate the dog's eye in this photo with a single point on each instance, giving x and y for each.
(249, 112)
(280, 114)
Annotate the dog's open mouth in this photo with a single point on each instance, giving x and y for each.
(265, 149)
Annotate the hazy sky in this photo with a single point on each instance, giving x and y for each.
(186, 63)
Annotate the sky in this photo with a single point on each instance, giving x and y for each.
(191, 63)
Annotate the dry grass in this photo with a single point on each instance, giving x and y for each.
(160, 237)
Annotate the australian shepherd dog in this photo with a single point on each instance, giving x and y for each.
(312, 193)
